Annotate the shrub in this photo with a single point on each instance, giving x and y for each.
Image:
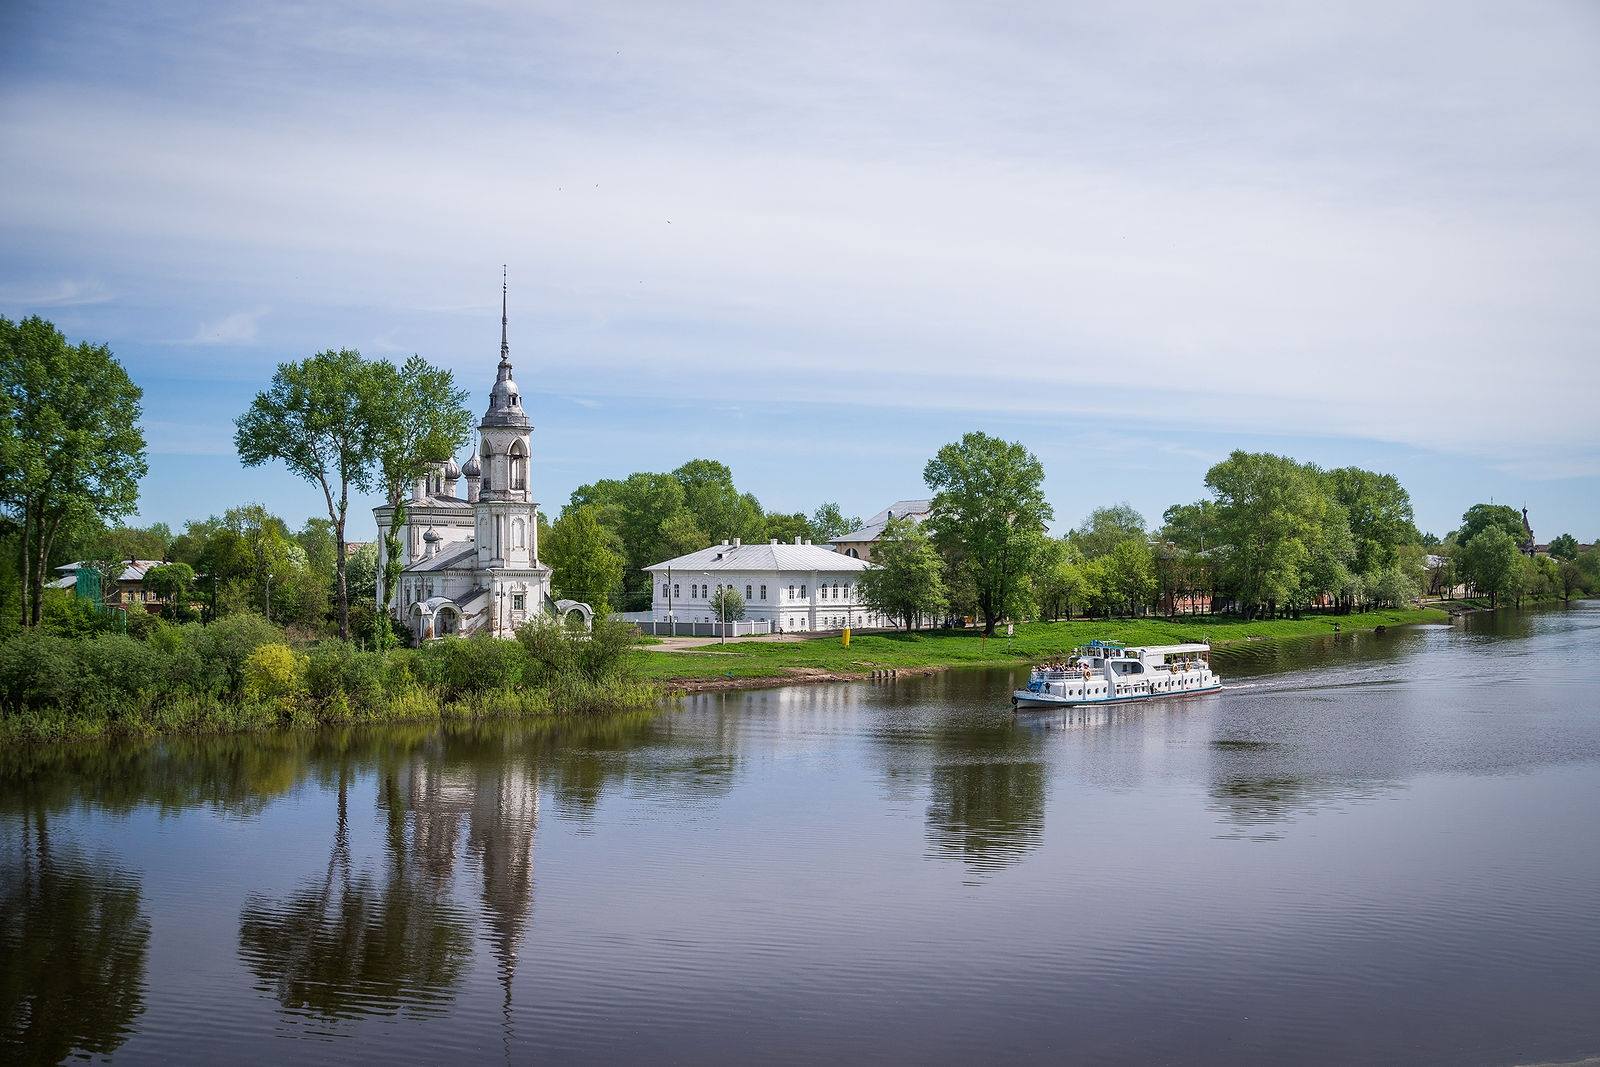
(597, 655)
(551, 651)
(459, 666)
(65, 614)
(38, 671)
(119, 674)
(338, 671)
(274, 672)
(226, 644)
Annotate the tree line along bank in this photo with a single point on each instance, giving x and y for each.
(1271, 537)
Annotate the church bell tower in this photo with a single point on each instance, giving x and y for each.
(507, 529)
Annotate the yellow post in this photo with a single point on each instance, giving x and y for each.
(844, 638)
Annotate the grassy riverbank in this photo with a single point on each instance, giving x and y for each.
(242, 674)
(741, 664)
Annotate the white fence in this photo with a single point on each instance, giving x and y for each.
(738, 628)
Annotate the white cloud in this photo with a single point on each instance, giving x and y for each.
(1374, 221)
(239, 328)
(54, 294)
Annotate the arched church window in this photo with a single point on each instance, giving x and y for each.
(519, 467)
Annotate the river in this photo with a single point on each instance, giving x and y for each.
(1375, 847)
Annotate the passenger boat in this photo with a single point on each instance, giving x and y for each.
(1105, 672)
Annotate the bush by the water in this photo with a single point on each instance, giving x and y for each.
(243, 672)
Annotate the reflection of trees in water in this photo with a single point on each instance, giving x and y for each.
(1257, 787)
(986, 783)
(357, 938)
(238, 774)
(1254, 800)
(73, 937)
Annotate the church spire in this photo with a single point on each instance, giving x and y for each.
(505, 345)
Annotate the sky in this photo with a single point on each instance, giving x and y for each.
(818, 241)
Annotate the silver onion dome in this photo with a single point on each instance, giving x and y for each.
(472, 470)
(452, 470)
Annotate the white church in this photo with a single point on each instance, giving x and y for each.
(472, 564)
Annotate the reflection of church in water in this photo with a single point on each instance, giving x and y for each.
(497, 805)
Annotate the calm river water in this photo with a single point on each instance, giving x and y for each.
(1377, 848)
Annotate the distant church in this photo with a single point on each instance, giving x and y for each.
(472, 565)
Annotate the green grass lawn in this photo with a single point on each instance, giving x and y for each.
(948, 648)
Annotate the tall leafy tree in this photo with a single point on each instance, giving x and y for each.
(71, 450)
(786, 526)
(1058, 581)
(1132, 573)
(906, 581)
(420, 418)
(1106, 528)
(828, 522)
(1378, 510)
(586, 557)
(317, 417)
(1564, 547)
(650, 516)
(988, 514)
(1273, 515)
(1489, 561)
(716, 504)
(1480, 517)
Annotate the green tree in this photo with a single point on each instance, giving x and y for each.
(988, 512)
(1058, 581)
(317, 417)
(1489, 561)
(586, 557)
(361, 574)
(173, 583)
(421, 420)
(828, 522)
(1271, 514)
(134, 542)
(1106, 528)
(719, 509)
(1480, 517)
(906, 580)
(650, 516)
(727, 604)
(786, 526)
(71, 450)
(1564, 547)
(1378, 510)
(1130, 569)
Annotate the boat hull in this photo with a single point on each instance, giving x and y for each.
(1027, 698)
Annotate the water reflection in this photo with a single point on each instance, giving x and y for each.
(986, 794)
(352, 942)
(74, 939)
(768, 866)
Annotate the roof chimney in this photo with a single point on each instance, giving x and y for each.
(724, 542)
(774, 540)
(737, 542)
(808, 540)
(797, 539)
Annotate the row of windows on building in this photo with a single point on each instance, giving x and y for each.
(422, 589)
(840, 591)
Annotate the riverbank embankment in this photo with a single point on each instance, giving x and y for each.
(762, 664)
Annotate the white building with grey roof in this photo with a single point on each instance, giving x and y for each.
(858, 544)
(472, 563)
(797, 587)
